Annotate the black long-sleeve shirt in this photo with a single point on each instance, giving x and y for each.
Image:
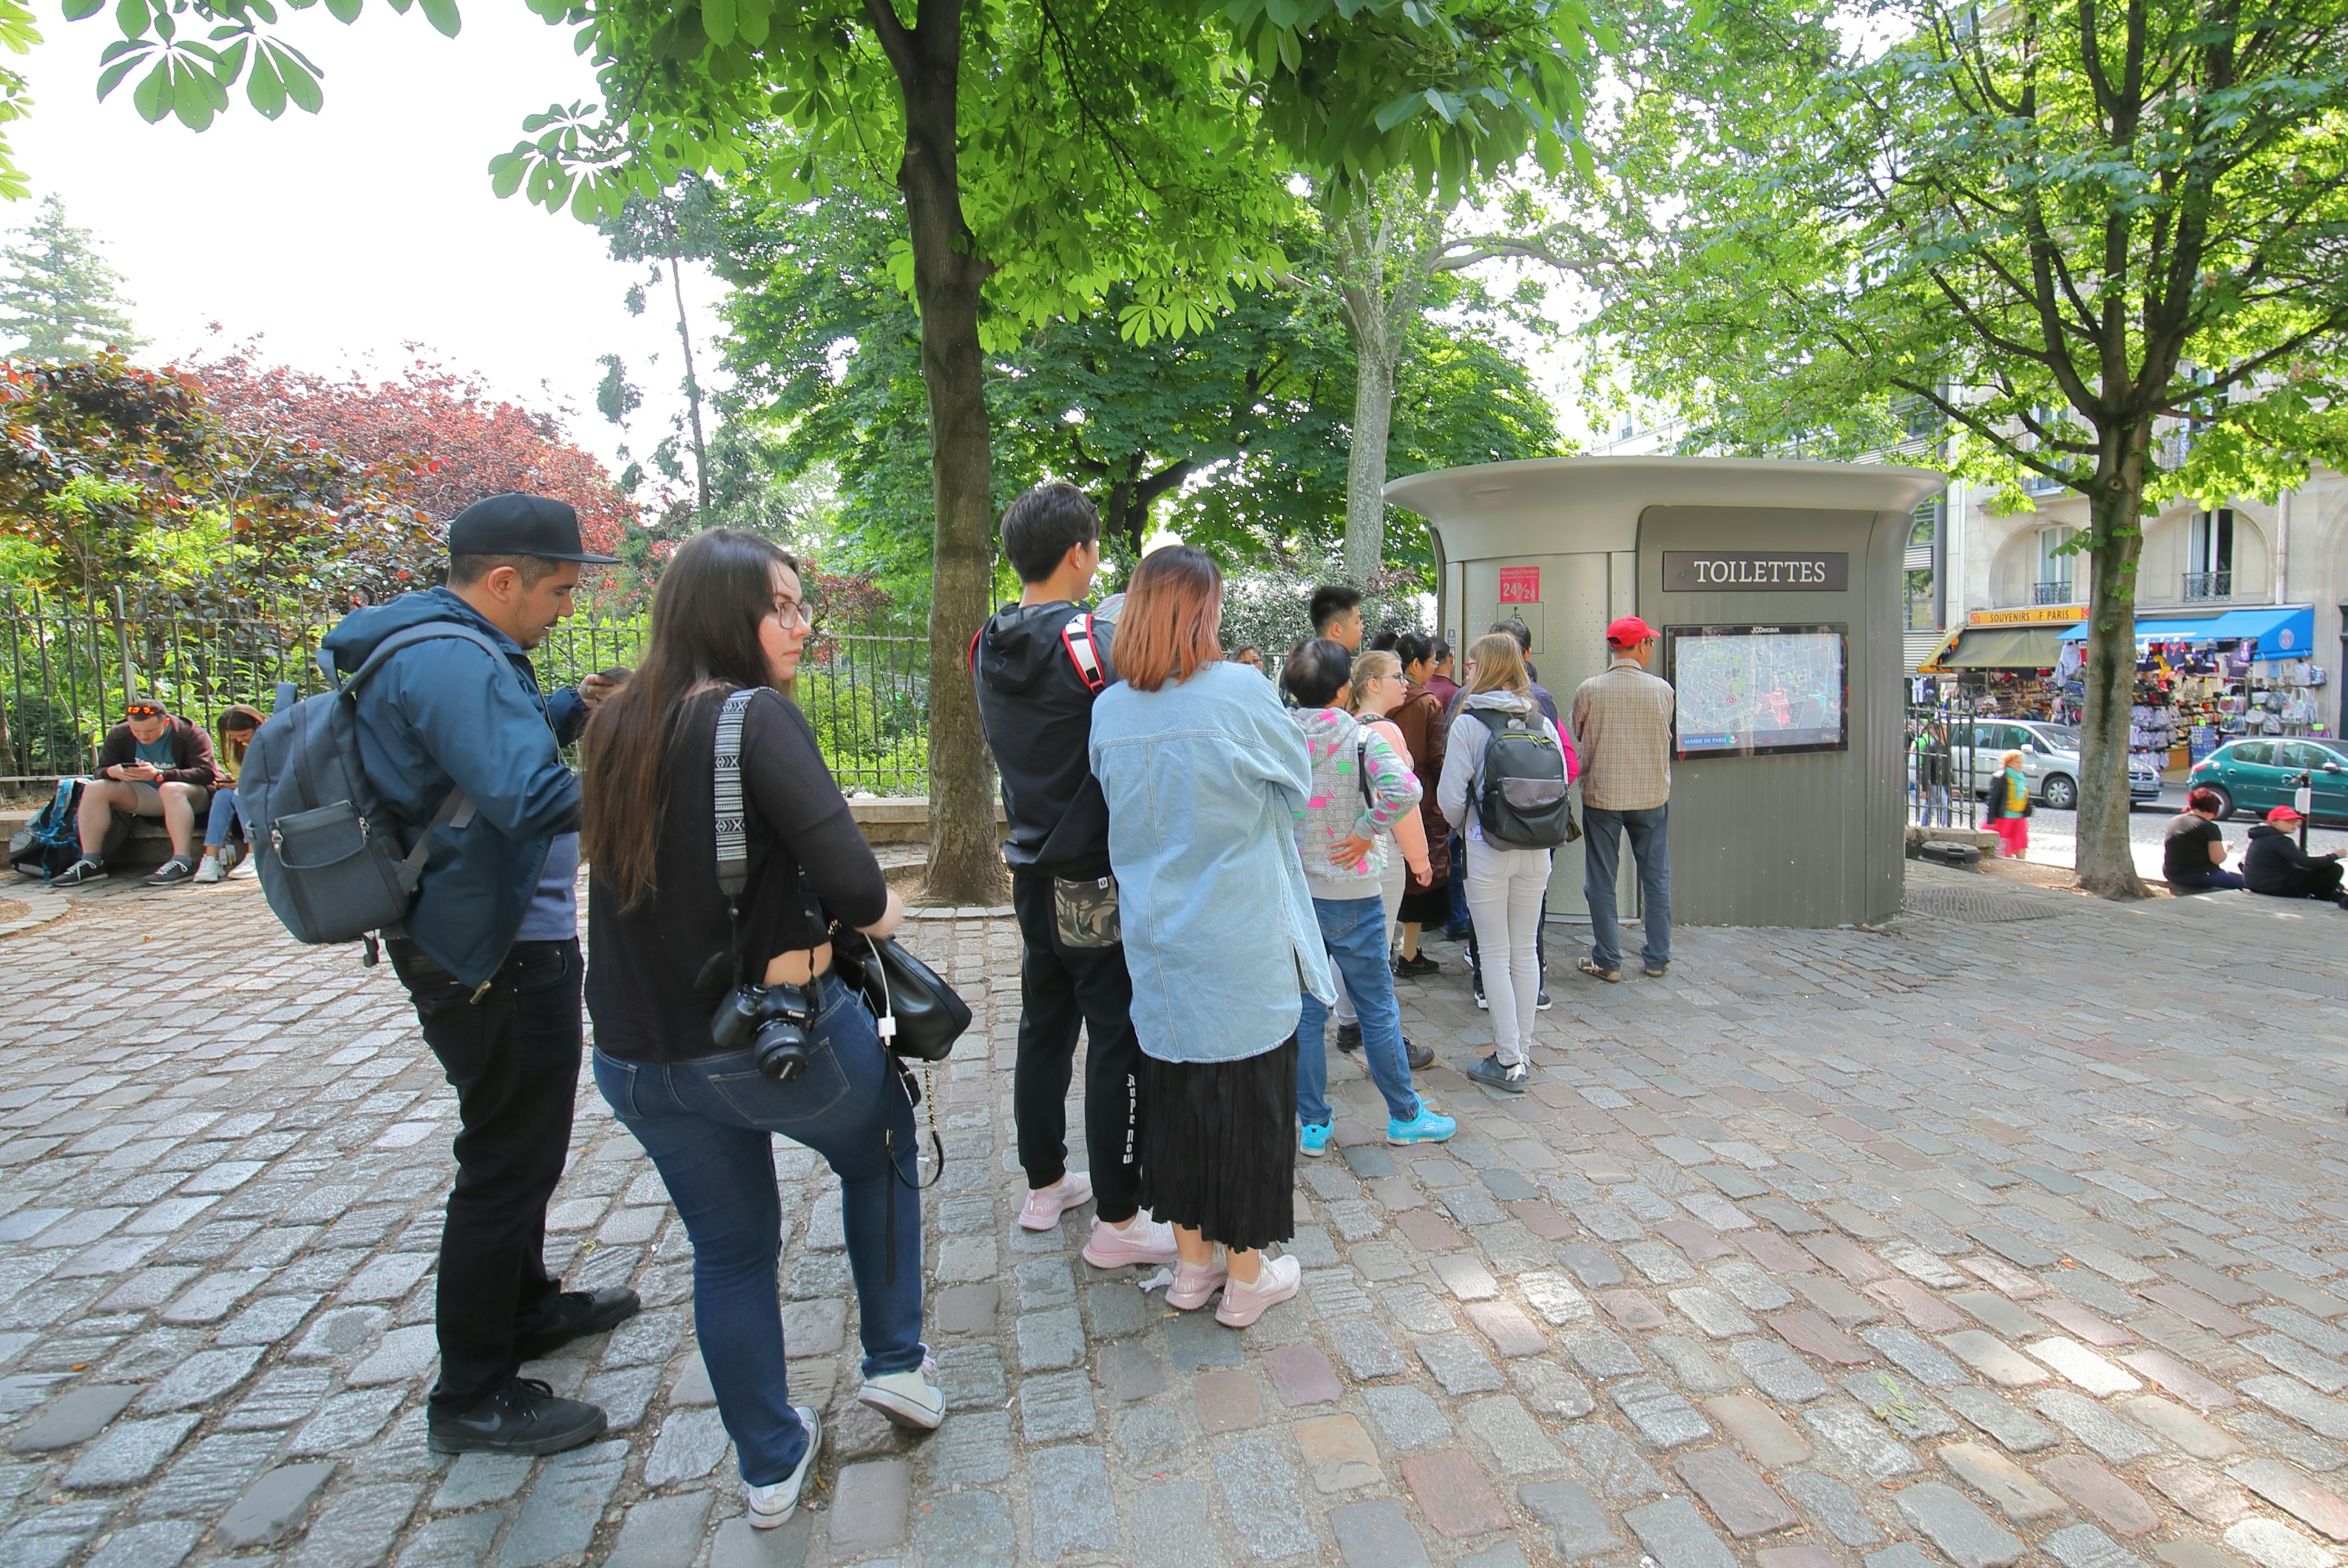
(651, 981)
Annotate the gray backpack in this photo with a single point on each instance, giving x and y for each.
(325, 848)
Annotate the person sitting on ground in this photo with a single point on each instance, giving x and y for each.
(237, 727)
(2273, 863)
(671, 948)
(1336, 612)
(150, 764)
(1363, 791)
(1204, 775)
(2193, 849)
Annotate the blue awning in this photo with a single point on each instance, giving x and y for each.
(2280, 632)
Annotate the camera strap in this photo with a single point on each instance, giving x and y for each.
(733, 834)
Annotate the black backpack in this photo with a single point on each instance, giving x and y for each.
(327, 852)
(1520, 801)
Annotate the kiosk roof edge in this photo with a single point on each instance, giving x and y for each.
(1602, 490)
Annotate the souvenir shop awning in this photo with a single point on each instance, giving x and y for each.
(2003, 648)
(2280, 632)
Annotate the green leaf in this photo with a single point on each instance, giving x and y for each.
(151, 97)
(190, 100)
(133, 17)
(506, 171)
(442, 14)
(345, 11)
(79, 10)
(301, 79)
(264, 89)
(717, 21)
(111, 77)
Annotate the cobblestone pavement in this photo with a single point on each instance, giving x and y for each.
(2012, 1232)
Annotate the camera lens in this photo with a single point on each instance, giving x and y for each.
(780, 1051)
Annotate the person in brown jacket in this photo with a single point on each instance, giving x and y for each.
(1420, 718)
(150, 764)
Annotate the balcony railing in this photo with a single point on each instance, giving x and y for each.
(2207, 585)
(2056, 592)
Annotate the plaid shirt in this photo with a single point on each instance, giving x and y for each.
(1623, 724)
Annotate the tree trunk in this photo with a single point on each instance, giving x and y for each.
(2106, 865)
(1365, 463)
(692, 395)
(965, 851)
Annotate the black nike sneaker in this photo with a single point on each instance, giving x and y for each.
(575, 1314)
(525, 1417)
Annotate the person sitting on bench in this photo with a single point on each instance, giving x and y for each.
(150, 764)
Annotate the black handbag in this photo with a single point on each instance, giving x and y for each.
(919, 1015)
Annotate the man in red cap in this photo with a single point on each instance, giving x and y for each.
(1623, 727)
(2275, 865)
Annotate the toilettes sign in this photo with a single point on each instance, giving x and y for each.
(1755, 571)
(1521, 584)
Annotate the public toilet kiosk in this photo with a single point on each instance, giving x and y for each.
(1775, 586)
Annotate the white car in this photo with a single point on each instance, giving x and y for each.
(2050, 760)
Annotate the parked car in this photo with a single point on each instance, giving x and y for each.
(2253, 775)
(2050, 761)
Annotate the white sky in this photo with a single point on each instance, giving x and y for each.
(340, 236)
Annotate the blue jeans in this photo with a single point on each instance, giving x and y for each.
(224, 811)
(709, 1125)
(1355, 932)
(1600, 862)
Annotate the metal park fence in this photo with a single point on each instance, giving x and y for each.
(67, 666)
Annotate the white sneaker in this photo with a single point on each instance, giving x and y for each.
(1276, 1279)
(1044, 1206)
(909, 1398)
(211, 870)
(1144, 1240)
(773, 1505)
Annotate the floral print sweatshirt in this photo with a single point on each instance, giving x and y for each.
(1340, 807)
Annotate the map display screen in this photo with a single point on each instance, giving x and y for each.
(1749, 690)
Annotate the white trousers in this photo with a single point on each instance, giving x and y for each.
(1504, 899)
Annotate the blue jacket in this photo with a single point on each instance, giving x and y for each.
(1205, 779)
(439, 715)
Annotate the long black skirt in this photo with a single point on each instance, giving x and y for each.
(1218, 1145)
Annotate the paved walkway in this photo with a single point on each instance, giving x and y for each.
(2014, 1232)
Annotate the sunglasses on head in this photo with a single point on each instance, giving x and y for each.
(144, 710)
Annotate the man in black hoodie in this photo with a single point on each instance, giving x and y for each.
(1038, 665)
(2275, 865)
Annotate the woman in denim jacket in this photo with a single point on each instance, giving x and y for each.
(1205, 773)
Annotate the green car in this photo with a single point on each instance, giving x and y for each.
(2253, 775)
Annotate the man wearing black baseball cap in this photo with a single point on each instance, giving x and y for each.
(490, 954)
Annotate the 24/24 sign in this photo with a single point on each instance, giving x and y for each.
(1521, 584)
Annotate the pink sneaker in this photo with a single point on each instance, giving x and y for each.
(1194, 1282)
(1044, 1206)
(1143, 1241)
(1276, 1279)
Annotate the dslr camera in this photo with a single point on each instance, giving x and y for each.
(772, 1020)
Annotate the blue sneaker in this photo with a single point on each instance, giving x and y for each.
(1314, 1140)
(1426, 1127)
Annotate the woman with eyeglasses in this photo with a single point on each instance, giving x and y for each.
(669, 949)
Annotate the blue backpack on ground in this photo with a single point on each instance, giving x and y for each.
(326, 849)
(52, 840)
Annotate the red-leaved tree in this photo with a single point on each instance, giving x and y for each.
(472, 445)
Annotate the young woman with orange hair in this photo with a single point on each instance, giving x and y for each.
(1205, 776)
